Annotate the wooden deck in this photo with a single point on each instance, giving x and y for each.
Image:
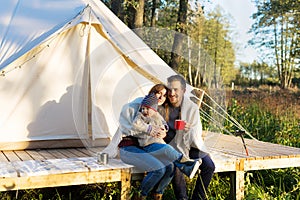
(229, 155)
(22, 169)
(60, 167)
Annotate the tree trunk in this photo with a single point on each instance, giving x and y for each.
(139, 17)
(179, 35)
(153, 13)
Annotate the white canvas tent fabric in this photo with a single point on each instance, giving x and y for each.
(64, 61)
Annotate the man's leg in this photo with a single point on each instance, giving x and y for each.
(207, 170)
(179, 185)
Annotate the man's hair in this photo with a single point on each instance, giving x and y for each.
(178, 78)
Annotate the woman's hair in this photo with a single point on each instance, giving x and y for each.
(156, 89)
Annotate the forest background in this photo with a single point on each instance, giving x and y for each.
(262, 95)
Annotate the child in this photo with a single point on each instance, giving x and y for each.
(147, 121)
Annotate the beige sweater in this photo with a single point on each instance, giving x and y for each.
(143, 126)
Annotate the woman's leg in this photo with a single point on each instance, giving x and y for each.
(164, 152)
(166, 179)
(146, 162)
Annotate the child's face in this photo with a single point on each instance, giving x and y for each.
(147, 112)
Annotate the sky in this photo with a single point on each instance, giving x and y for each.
(240, 10)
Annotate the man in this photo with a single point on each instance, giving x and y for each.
(189, 142)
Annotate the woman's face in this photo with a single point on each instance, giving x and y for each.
(161, 96)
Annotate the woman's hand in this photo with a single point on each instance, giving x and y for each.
(162, 133)
(158, 132)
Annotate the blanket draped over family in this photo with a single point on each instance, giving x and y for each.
(189, 113)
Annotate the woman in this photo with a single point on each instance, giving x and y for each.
(159, 175)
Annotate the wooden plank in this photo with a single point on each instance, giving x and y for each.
(86, 151)
(77, 152)
(95, 150)
(70, 171)
(55, 153)
(272, 163)
(237, 185)
(3, 157)
(230, 152)
(23, 155)
(46, 154)
(35, 154)
(223, 162)
(266, 150)
(68, 154)
(11, 156)
(55, 180)
(125, 183)
(233, 145)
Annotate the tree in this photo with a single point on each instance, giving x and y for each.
(276, 28)
(217, 42)
(153, 13)
(178, 38)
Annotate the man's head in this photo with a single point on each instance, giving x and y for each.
(177, 87)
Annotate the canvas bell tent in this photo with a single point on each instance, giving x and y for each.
(67, 68)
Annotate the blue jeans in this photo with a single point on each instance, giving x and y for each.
(159, 175)
(164, 152)
(207, 170)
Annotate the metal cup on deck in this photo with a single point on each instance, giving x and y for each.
(102, 158)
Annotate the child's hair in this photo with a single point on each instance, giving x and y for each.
(150, 101)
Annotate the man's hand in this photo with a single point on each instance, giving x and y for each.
(187, 126)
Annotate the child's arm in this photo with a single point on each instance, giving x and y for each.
(144, 125)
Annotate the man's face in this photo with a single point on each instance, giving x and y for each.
(175, 93)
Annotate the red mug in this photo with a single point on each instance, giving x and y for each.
(179, 124)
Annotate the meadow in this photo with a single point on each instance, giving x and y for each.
(269, 114)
